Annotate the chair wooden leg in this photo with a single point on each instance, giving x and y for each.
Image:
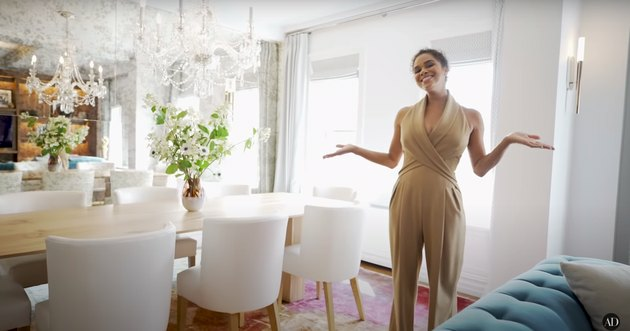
(241, 320)
(330, 311)
(357, 297)
(274, 317)
(233, 322)
(182, 305)
(318, 286)
(280, 292)
(191, 261)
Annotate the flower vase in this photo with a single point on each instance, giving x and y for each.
(54, 163)
(193, 194)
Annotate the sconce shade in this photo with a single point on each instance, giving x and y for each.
(578, 80)
(580, 49)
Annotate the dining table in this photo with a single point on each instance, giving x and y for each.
(26, 233)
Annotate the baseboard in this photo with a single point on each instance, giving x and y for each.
(376, 259)
(472, 284)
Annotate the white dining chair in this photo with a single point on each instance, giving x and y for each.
(329, 251)
(220, 189)
(70, 180)
(10, 181)
(344, 193)
(102, 172)
(240, 269)
(15, 306)
(30, 270)
(234, 189)
(88, 291)
(18, 273)
(184, 246)
(120, 178)
(31, 166)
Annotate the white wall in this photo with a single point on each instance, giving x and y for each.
(565, 113)
(598, 129)
(386, 45)
(527, 73)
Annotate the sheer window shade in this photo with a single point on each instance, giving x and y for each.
(337, 67)
(468, 48)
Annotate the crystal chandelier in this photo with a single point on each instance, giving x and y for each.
(67, 88)
(201, 57)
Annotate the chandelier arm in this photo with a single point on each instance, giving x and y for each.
(188, 59)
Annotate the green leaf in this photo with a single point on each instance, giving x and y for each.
(159, 119)
(203, 128)
(185, 164)
(182, 114)
(172, 168)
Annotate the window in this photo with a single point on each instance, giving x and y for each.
(243, 165)
(115, 147)
(331, 119)
(471, 85)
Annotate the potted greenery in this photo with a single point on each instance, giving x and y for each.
(56, 138)
(189, 144)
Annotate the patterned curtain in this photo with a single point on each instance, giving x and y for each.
(268, 91)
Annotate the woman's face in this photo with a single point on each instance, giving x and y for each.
(429, 73)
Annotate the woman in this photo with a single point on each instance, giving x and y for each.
(426, 205)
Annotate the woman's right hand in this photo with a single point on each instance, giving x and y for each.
(342, 149)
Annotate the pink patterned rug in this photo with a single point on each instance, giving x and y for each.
(310, 313)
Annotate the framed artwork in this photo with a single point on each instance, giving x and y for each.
(5, 99)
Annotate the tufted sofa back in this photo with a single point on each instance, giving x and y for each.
(539, 299)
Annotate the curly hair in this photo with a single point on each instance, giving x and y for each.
(435, 53)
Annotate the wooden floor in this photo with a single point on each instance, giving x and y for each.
(376, 268)
(388, 272)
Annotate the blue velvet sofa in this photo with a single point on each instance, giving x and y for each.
(539, 299)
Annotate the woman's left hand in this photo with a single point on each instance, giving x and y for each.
(527, 139)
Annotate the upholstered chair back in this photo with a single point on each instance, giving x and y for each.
(335, 192)
(120, 178)
(21, 202)
(240, 269)
(70, 180)
(145, 194)
(10, 181)
(104, 284)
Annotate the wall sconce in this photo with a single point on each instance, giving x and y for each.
(578, 78)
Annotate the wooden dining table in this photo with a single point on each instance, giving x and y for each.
(25, 233)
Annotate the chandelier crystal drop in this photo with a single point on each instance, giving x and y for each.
(67, 88)
(199, 56)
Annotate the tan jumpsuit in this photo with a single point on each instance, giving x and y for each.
(426, 210)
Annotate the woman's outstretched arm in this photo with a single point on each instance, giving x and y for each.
(389, 159)
(482, 162)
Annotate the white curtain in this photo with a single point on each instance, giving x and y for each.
(292, 116)
(497, 34)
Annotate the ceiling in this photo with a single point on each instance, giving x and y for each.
(104, 30)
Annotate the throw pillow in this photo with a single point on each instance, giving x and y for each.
(603, 288)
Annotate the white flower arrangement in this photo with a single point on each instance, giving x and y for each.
(188, 143)
(56, 136)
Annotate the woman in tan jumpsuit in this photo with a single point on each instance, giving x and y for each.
(426, 205)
